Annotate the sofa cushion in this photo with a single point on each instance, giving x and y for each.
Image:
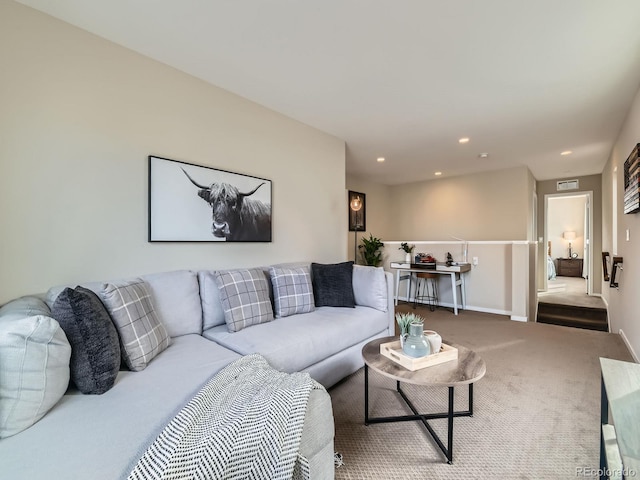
(212, 311)
(176, 298)
(333, 284)
(22, 307)
(294, 343)
(54, 292)
(95, 346)
(142, 335)
(370, 287)
(34, 359)
(101, 437)
(292, 290)
(245, 298)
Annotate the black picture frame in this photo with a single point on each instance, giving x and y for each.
(183, 197)
(357, 217)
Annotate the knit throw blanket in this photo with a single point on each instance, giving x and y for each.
(246, 422)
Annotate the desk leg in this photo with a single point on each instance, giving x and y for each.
(397, 285)
(409, 289)
(463, 291)
(454, 292)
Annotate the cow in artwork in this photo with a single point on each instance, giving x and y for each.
(236, 218)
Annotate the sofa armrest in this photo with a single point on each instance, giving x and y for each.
(390, 302)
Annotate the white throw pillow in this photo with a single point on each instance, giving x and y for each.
(370, 287)
(34, 370)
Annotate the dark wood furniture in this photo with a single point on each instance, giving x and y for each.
(569, 267)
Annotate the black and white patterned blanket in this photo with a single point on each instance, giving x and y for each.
(246, 422)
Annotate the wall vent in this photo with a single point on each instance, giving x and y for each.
(568, 185)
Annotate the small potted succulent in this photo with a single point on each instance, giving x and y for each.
(404, 320)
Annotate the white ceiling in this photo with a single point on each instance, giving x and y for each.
(404, 79)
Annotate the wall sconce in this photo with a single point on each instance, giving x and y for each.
(357, 218)
(569, 236)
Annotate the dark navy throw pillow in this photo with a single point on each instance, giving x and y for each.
(333, 284)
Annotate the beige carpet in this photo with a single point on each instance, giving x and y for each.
(569, 291)
(536, 411)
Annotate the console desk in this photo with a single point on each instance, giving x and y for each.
(404, 271)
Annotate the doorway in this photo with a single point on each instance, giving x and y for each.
(568, 229)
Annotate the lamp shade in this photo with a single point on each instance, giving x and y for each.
(569, 235)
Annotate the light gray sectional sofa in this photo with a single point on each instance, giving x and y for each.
(102, 436)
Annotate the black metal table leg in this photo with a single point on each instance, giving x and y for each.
(366, 394)
(450, 414)
(449, 451)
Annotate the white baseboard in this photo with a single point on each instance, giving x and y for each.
(473, 308)
(629, 347)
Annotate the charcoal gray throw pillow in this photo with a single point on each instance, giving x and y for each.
(333, 284)
(95, 346)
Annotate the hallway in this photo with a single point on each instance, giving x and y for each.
(566, 303)
(569, 291)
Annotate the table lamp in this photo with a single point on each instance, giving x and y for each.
(569, 236)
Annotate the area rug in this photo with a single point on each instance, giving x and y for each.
(536, 411)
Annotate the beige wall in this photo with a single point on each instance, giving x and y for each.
(485, 206)
(623, 302)
(78, 118)
(490, 209)
(589, 183)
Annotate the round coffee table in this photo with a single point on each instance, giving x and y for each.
(468, 368)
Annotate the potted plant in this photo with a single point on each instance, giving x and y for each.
(404, 320)
(407, 250)
(370, 248)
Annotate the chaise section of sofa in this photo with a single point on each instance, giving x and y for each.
(102, 436)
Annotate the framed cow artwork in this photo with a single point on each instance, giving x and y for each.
(193, 203)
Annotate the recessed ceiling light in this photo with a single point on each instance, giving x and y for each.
(483, 155)
(463, 140)
(566, 152)
(437, 174)
(380, 159)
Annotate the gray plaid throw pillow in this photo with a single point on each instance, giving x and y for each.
(142, 336)
(244, 295)
(292, 291)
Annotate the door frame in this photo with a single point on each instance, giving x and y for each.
(589, 195)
